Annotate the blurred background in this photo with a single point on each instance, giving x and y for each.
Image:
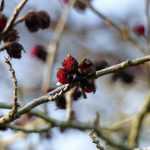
(85, 36)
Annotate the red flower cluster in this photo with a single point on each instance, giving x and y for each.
(73, 72)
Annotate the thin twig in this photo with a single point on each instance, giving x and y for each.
(14, 16)
(2, 5)
(137, 123)
(19, 20)
(11, 115)
(147, 11)
(82, 127)
(26, 130)
(53, 47)
(62, 89)
(69, 98)
(123, 65)
(125, 34)
(94, 136)
(96, 141)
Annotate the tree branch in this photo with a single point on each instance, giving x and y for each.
(124, 32)
(137, 123)
(14, 16)
(7, 118)
(18, 128)
(122, 65)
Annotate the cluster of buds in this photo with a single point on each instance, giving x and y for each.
(79, 73)
(37, 20)
(80, 5)
(34, 21)
(10, 38)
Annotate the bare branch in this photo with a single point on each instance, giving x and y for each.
(14, 15)
(2, 5)
(53, 45)
(125, 34)
(137, 123)
(11, 115)
(96, 141)
(25, 130)
(123, 65)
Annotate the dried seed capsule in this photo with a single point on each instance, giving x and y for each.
(39, 52)
(44, 19)
(14, 50)
(89, 86)
(125, 76)
(61, 102)
(87, 68)
(11, 36)
(32, 21)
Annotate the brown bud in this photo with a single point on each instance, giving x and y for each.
(32, 21)
(44, 19)
(11, 36)
(14, 50)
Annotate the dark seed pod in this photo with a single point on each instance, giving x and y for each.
(39, 52)
(11, 36)
(125, 76)
(89, 86)
(77, 94)
(61, 102)
(87, 67)
(80, 5)
(32, 21)
(3, 128)
(14, 50)
(44, 19)
(101, 64)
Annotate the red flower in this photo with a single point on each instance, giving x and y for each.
(62, 76)
(139, 29)
(70, 64)
(3, 21)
